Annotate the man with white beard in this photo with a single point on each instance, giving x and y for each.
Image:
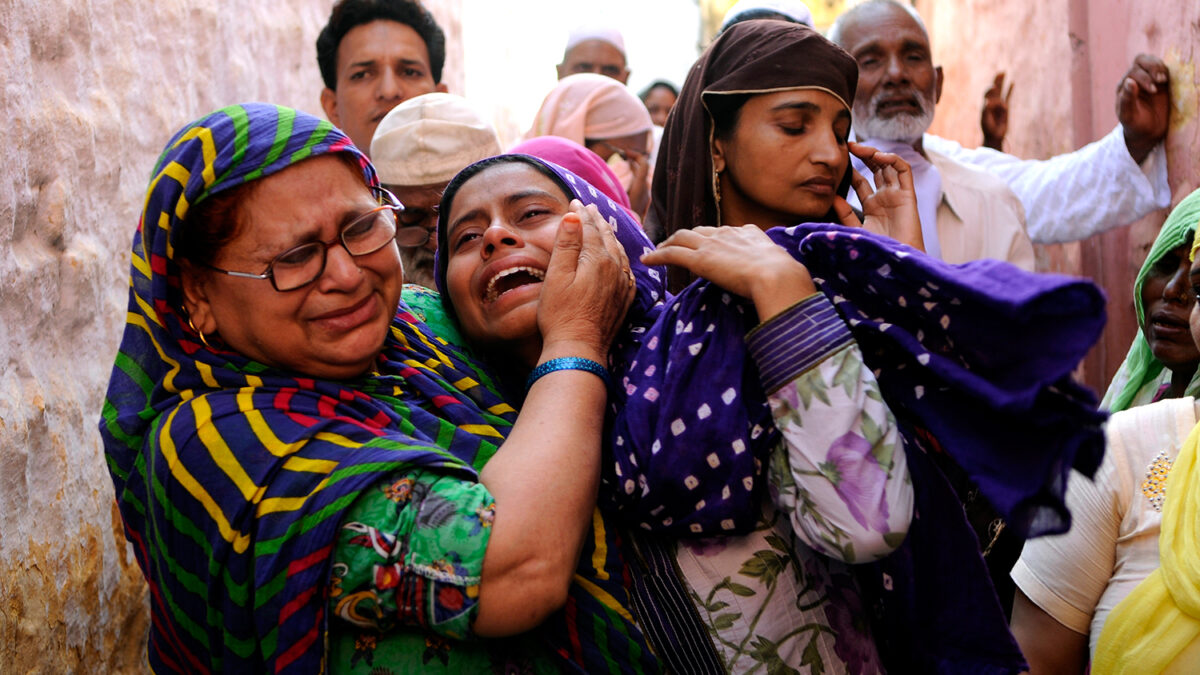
(966, 214)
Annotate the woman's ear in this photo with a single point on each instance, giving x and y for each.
(195, 298)
(718, 155)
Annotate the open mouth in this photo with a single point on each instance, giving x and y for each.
(898, 105)
(1163, 323)
(1166, 325)
(511, 279)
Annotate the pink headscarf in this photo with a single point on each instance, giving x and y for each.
(587, 105)
(579, 160)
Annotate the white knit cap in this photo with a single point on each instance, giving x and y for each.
(428, 139)
(595, 32)
(793, 9)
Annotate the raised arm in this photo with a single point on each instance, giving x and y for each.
(1111, 182)
(545, 475)
(994, 118)
(497, 557)
(842, 475)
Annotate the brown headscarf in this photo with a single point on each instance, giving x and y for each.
(752, 57)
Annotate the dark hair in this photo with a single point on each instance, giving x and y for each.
(725, 110)
(657, 84)
(349, 14)
(759, 14)
(211, 223)
(452, 188)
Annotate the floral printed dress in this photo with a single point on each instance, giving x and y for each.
(782, 599)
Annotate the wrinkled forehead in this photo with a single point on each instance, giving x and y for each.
(571, 185)
(880, 21)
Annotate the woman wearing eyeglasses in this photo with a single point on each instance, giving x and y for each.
(273, 409)
(600, 114)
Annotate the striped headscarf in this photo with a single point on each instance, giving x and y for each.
(1138, 379)
(231, 476)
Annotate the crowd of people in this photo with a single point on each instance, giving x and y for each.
(749, 374)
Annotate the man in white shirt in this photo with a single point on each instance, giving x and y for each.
(1111, 182)
(966, 214)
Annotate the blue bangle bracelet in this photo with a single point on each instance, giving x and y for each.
(567, 363)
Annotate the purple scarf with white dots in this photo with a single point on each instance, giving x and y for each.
(976, 356)
(975, 362)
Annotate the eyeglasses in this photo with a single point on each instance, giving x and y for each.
(297, 267)
(416, 220)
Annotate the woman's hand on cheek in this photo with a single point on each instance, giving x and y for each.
(890, 208)
(588, 287)
(742, 260)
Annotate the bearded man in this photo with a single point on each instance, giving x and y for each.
(966, 214)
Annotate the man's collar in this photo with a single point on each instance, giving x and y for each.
(947, 169)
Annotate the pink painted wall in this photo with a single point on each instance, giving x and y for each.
(1066, 59)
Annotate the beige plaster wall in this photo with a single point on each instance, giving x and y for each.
(92, 89)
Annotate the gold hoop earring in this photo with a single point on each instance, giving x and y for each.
(716, 189)
(197, 331)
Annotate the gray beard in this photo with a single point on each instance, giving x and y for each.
(902, 127)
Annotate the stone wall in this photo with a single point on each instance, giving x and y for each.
(92, 90)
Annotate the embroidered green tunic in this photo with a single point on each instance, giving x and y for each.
(405, 585)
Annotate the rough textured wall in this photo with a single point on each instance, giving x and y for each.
(92, 90)
(1065, 60)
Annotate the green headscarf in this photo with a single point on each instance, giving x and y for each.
(1140, 376)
